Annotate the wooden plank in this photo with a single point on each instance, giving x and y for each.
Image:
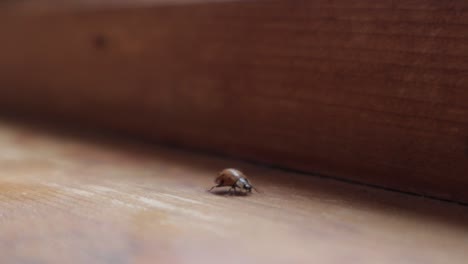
(70, 200)
(363, 90)
(47, 6)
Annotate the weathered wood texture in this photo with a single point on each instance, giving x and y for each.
(65, 200)
(373, 91)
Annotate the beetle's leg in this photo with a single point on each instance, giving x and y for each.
(232, 188)
(213, 187)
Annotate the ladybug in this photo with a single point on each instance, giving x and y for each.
(234, 179)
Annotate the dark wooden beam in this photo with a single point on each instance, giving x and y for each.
(372, 91)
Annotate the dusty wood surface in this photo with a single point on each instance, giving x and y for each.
(70, 200)
(373, 91)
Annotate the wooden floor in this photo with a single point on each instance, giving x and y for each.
(65, 199)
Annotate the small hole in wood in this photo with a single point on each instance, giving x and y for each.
(100, 42)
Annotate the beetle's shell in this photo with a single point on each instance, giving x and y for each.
(229, 177)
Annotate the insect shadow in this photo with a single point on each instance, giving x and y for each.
(227, 192)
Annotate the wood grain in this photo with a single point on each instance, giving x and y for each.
(364, 90)
(97, 200)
